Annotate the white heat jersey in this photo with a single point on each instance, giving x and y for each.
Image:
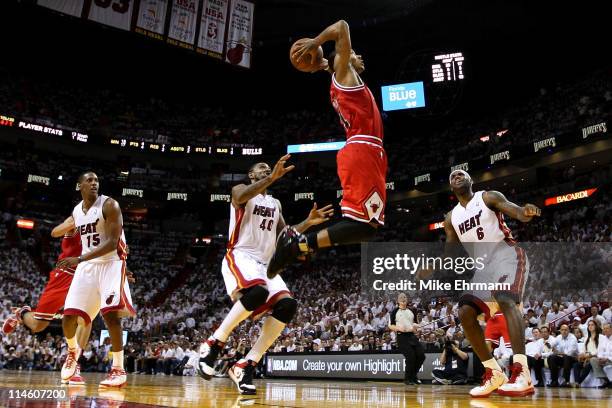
(252, 228)
(92, 227)
(478, 223)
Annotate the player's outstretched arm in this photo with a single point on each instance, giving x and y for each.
(63, 228)
(498, 202)
(315, 217)
(243, 193)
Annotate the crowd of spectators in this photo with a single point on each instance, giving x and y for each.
(153, 119)
(551, 113)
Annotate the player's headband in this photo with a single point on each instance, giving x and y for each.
(465, 174)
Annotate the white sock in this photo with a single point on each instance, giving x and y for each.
(118, 359)
(237, 314)
(72, 342)
(272, 328)
(521, 358)
(492, 364)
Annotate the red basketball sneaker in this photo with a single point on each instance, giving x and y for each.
(11, 323)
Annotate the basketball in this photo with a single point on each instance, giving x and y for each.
(309, 61)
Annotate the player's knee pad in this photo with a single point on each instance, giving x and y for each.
(350, 232)
(285, 309)
(254, 297)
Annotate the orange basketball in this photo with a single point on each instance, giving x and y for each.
(309, 61)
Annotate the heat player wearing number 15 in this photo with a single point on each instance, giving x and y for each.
(100, 283)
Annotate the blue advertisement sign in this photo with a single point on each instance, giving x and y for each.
(403, 96)
(315, 147)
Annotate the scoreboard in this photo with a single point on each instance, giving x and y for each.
(440, 76)
(447, 67)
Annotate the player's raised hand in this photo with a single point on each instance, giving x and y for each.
(304, 48)
(320, 215)
(279, 169)
(530, 210)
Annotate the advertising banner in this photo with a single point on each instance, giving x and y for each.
(369, 366)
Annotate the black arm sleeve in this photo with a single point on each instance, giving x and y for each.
(392, 316)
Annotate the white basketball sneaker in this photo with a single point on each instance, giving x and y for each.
(116, 378)
(76, 379)
(491, 381)
(520, 382)
(70, 365)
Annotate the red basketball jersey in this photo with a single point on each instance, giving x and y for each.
(71, 246)
(357, 109)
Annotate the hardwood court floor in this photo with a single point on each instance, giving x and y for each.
(168, 391)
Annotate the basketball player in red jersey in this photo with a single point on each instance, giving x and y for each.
(362, 163)
(52, 298)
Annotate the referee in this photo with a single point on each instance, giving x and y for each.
(402, 322)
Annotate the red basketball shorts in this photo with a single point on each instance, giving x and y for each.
(54, 295)
(362, 169)
(496, 329)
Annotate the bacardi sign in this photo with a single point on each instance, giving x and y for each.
(569, 197)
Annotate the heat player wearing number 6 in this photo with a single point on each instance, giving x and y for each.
(477, 221)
